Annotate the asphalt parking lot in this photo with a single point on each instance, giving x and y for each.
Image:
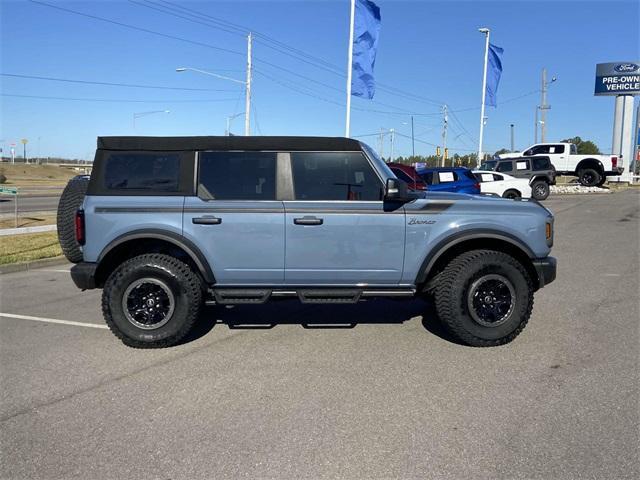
(374, 390)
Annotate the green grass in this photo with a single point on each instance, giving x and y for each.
(26, 248)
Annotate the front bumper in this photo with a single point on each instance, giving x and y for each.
(546, 270)
(83, 275)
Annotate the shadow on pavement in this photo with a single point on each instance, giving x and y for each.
(318, 316)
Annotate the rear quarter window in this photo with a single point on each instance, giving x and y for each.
(142, 172)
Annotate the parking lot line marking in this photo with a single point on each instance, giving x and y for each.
(51, 320)
(52, 270)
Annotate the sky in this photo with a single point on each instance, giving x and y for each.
(430, 54)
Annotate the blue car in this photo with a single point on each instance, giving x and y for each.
(452, 179)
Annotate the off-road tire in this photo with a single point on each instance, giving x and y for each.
(512, 194)
(70, 200)
(185, 286)
(602, 181)
(453, 287)
(589, 177)
(540, 190)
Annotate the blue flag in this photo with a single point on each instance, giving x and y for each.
(494, 71)
(365, 45)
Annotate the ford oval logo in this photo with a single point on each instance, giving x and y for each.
(626, 67)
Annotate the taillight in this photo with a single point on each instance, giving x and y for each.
(79, 221)
(614, 162)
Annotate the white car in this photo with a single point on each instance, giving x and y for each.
(503, 185)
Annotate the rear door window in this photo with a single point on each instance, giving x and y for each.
(237, 176)
(446, 177)
(556, 149)
(428, 178)
(522, 165)
(334, 176)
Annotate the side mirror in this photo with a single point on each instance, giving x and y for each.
(396, 190)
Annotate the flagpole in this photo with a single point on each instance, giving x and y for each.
(350, 69)
(487, 33)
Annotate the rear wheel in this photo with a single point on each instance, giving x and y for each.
(484, 298)
(152, 301)
(540, 190)
(513, 194)
(589, 177)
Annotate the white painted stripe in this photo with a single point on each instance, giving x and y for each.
(20, 231)
(52, 270)
(51, 320)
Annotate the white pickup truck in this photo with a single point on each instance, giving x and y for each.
(591, 170)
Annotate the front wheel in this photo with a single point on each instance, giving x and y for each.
(152, 301)
(484, 298)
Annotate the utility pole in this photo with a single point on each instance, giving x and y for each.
(247, 107)
(445, 122)
(393, 136)
(544, 106)
(535, 126)
(413, 139)
(512, 140)
(381, 143)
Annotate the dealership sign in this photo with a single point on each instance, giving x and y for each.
(620, 78)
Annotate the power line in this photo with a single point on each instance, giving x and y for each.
(116, 100)
(140, 29)
(130, 85)
(293, 52)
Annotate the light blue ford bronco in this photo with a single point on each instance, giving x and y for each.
(166, 225)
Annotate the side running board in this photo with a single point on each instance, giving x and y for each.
(234, 296)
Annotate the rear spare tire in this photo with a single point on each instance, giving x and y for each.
(70, 200)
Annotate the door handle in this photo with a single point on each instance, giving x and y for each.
(308, 221)
(206, 220)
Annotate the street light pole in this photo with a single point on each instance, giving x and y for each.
(487, 34)
(512, 139)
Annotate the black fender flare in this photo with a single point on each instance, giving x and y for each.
(472, 234)
(585, 161)
(174, 238)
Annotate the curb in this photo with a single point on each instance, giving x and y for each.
(26, 230)
(26, 266)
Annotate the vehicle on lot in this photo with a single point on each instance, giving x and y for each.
(449, 179)
(409, 175)
(591, 170)
(169, 224)
(537, 170)
(503, 185)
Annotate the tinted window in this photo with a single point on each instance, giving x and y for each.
(522, 164)
(497, 177)
(469, 175)
(237, 176)
(142, 171)
(334, 176)
(556, 149)
(504, 167)
(541, 163)
(428, 178)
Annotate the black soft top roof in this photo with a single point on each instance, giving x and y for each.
(229, 143)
